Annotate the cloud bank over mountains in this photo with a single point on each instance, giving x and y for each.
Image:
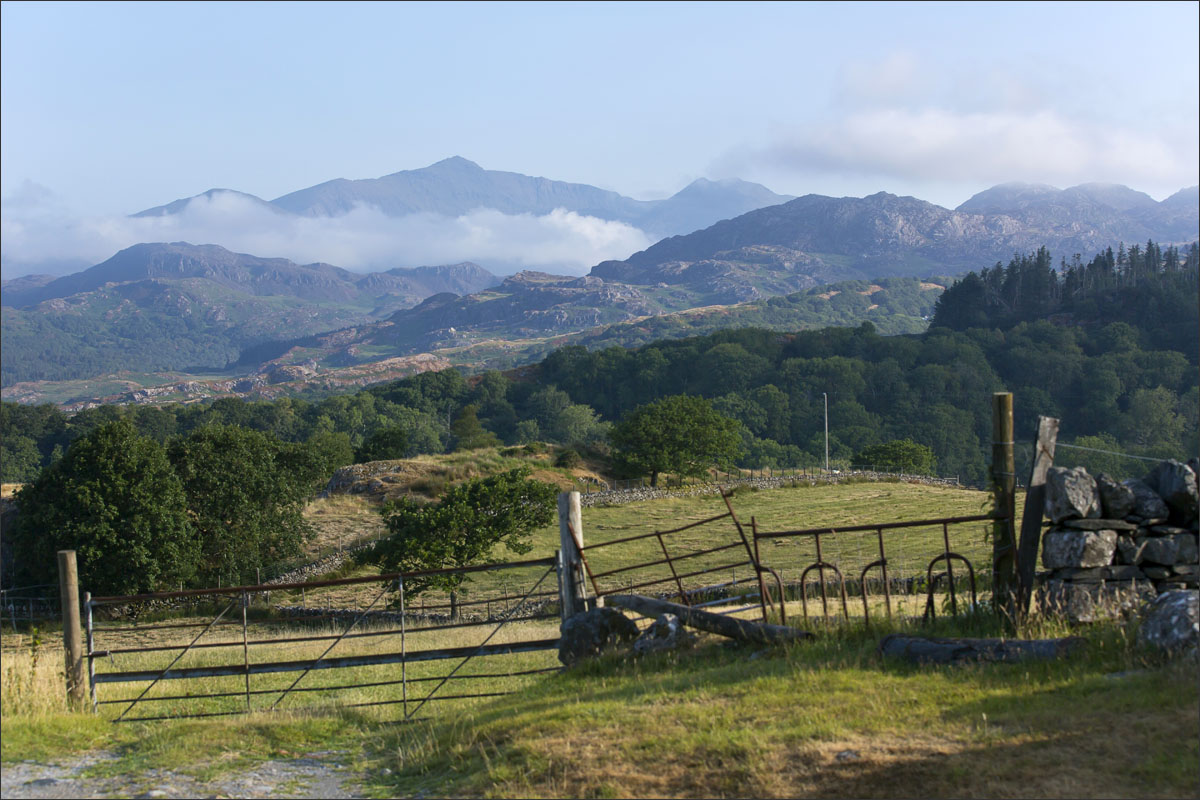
(39, 235)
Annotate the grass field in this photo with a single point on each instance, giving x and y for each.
(822, 718)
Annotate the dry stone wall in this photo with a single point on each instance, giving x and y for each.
(1116, 545)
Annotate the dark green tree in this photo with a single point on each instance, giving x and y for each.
(382, 445)
(113, 499)
(898, 455)
(681, 434)
(463, 529)
(246, 491)
(468, 433)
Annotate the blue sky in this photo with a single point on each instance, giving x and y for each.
(109, 108)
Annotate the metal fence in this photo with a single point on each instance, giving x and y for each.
(864, 550)
(503, 626)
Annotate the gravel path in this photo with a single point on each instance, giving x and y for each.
(315, 775)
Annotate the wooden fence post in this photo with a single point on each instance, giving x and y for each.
(1004, 544)
(1035, 503)
(68, 587)
(570, 537)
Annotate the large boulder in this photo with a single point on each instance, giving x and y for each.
(1147, 503)
(1078, 549)
(1071, 494)
(1116, 499)
(1172, 623)
(667, 633)
(591, 633)
(1176, 484)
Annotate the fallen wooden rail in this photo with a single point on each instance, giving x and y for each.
(734, 628)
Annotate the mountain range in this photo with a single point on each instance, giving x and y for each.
(455, 186)
(201, 308)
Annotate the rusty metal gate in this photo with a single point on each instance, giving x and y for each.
(508, 629)
(885, 584)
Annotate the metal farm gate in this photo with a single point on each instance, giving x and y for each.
(390, 649)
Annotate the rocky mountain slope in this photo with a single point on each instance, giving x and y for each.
(817, 239)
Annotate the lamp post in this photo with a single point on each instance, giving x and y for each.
(826, 396)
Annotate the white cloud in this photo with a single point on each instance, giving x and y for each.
(939, 144)
(364, 239)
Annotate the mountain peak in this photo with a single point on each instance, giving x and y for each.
(456, 162)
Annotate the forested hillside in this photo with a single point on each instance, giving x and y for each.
(1109, 348)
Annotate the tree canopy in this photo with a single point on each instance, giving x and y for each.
(681, 434)
(464, 528)
(114, 499)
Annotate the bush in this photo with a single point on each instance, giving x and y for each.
(568, 459)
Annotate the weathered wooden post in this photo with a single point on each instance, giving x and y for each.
(68, 587)
(1004, 543)
(1035, 503)
(570, 539)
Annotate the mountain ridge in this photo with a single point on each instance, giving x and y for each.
(456, 186)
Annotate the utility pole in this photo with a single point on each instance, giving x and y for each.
(826, 396)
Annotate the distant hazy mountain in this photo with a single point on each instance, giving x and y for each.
(456, 186)
(155, 307)
(178, 206)
(816, 239)
(256, 276)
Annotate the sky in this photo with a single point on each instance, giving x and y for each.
(110, 108)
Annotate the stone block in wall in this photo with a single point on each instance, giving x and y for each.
(1092, 602)
(1098, 524)
(1128, 551)
(1147, 504)
(1122, 573)
(1070, 548)
(1186, 544)
(1071, 494)
(1161, 550)
(1158, 573)
(1116, 499)
(1175, 483)
(1088, 575)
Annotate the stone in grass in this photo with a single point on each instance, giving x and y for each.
(667, 633)
(1172, 622)
(1147, 504)
(1071, 494)
(1176, 484)
(1079, 549)
(1116, 500)
(590, 633)
(1160, 550)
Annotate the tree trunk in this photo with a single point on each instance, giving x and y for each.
(654, 479)
(453, 606)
